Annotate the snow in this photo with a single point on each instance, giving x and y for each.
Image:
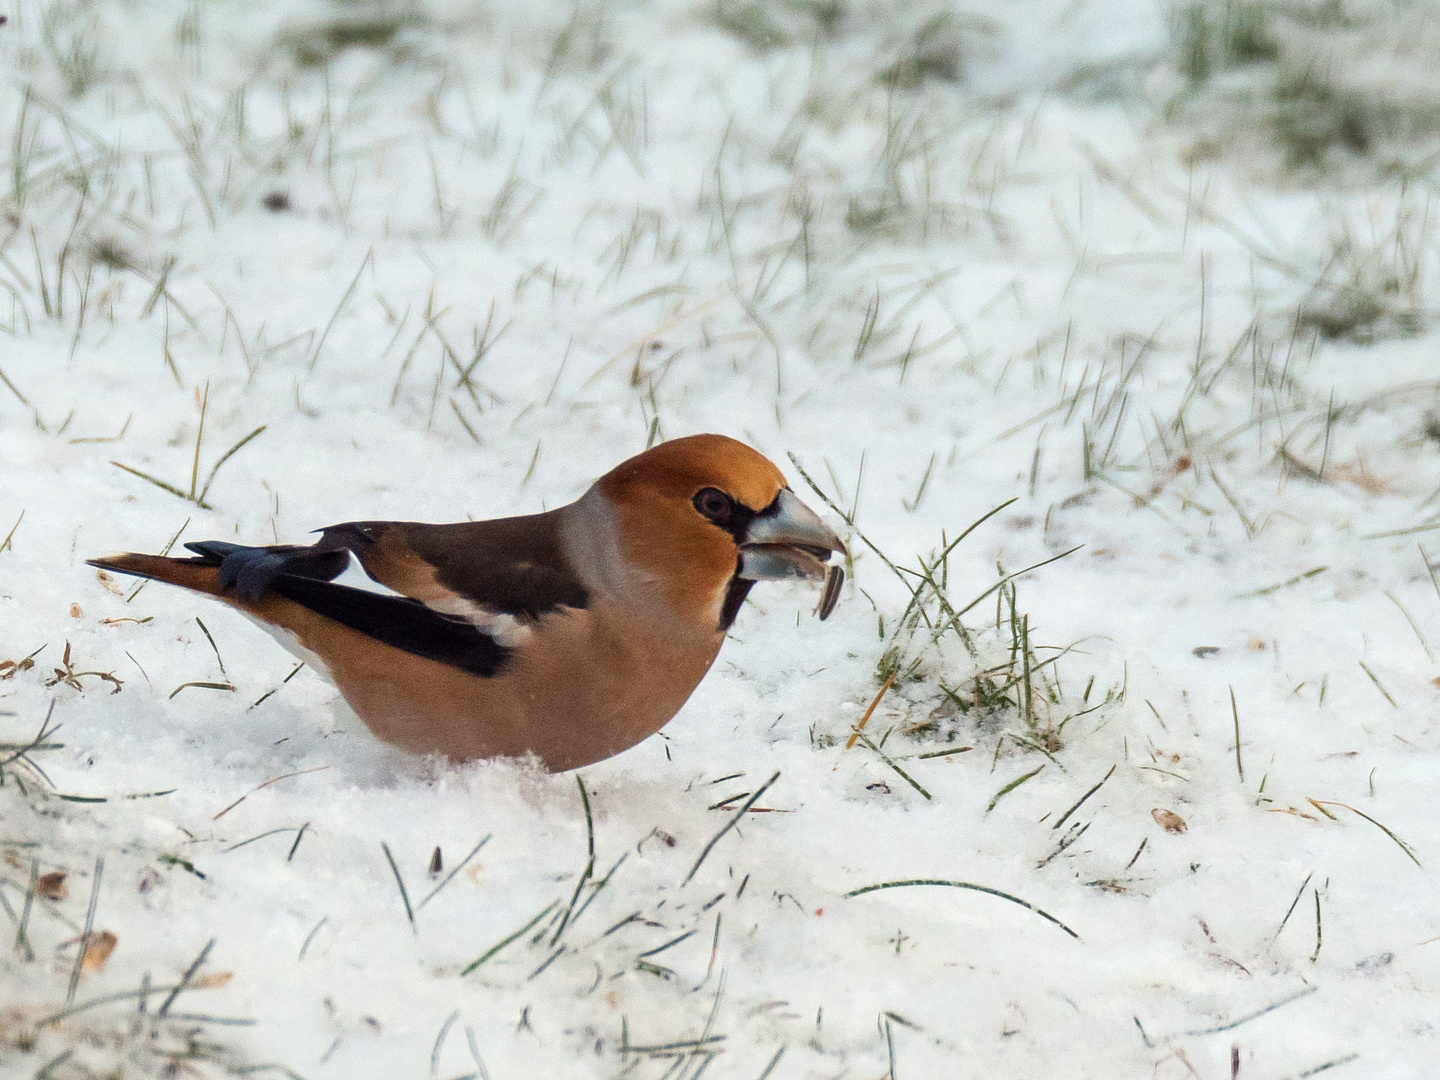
(523, 240)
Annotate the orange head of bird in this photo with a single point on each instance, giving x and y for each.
(706, 517)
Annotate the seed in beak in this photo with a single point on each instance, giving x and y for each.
(830, 594)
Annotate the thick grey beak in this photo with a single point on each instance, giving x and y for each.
(788, 541)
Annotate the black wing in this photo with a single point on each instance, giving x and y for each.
(400, 622)
(304, 576)
(513, 566)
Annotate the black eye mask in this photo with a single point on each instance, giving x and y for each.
(720, 509)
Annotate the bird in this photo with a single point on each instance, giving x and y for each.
(568, 635)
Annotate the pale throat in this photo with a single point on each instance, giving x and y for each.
(591, 534)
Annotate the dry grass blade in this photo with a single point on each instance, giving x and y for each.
(1414, 626)
(67, 674)
(944, 753)
(295, 670)
(1291, 910)
(22, 941)
(163, 552)
(744, 809)
(589, 871)
(1320, 805)
(299, 835)
(1012, 786)
(1233, 1024)
(107, 999)
(344, 299)
(1235, 712)
(661, 948)
(18, 752)
(14, 389)
(1314, 572)
(184, 982)
(199, 438)
(450, 876)
(849, 518)
(210, 479)
(1326, 1066)
(1429, 567)
(598, 886)
(963, 885)
(5, 544)
(161, 484)
(213, 647)
(890, 761)
(1250, 528)
(201, 684)
(400, 881)
(770, 1068)
(508, 939)
(262, 836)
(1378, 684)
(267, 783)
(868, 712)
(1423, 527)
(1081, 802)
(85, 937)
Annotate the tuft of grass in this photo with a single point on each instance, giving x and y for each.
(901, 201)
(1209, 38)
(766, 25)
(753, 23)
(1263, 76)
(146, 1042)
(374, 26)
(1246, 34)
(1314, 116)
(935, 51)
(1371, 284)
(72, 39)
(993, 677)
(582, 43)
(112, 254)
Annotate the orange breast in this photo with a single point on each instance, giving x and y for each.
(587, 685)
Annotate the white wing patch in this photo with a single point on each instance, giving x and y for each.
(508, 631)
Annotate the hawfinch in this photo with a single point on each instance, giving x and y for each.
(570, 635)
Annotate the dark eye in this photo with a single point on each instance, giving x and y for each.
(714, 504)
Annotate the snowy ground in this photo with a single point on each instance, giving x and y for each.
(1161, 276)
